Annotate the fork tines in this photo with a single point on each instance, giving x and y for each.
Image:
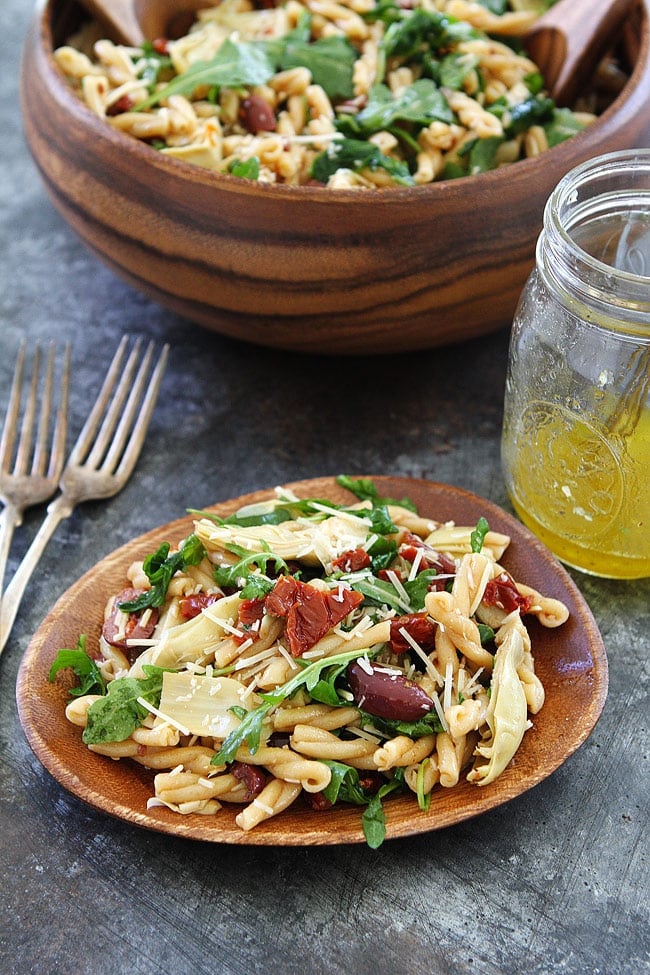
(113, 434)
(31, 455)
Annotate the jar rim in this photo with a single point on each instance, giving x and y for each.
(598, 168)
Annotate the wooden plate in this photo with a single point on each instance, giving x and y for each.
(570, 661)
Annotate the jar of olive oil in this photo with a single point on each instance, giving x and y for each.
(576, 432)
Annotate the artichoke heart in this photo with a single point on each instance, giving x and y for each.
(507, 713)
(314, 543)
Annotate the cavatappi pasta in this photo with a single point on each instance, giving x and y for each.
(353, 94)
(306, 649)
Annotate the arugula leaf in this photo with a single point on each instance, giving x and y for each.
(355, 155)
(116, 715)
(418, 588)
(486, 634)
(234, 65)
(152, 64)
(250, 570)
(382, 553)
(344, 786)
(160, 567)
(84, 668)
(483, 153)
(250, 728)
(330, 60)
(324, 690)
(246, 168)
(454, 68)
(561, 126)
(429, 724)
(374, 818)
(420, 103)
(477, 537)
(364, 489)
(420, 30)
(532, 111)
(379, 592)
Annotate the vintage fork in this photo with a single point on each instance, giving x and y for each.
(35, 473)
(101, 460)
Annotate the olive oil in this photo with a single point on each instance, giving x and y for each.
(584, 493)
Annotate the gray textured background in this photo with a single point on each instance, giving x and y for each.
(556, 881)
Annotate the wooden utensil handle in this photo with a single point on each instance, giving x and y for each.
(118, 18)
(568, 41)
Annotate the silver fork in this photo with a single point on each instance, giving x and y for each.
(101, 460)
(30, 474)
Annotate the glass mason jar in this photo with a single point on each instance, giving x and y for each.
(576, 431)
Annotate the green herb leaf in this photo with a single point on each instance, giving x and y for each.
(477, 537)
(420, 103)
(355, 155)
(160, 568)
(250, 728)
(234, 65)
(383, 553)
(364, 489)
(249, 573)
(418, 588)
(246, 168)
(330, 60)
(374, 818)
(562, 126)
(84, 668)
(344, 785)
(420, 30)
(378, 592)
(533, 111)
(428, 725)
(454, 68)
(482, 155)
(486, 634)
(116, 715)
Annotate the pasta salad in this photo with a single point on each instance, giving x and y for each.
(304, 651)
(353, 94)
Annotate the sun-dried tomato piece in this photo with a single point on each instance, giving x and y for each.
(503, 593)
(249, 618)
(191, 606)
(123, 104)
(352, 561)
(419, 626)
(310, 613)
(124, 633)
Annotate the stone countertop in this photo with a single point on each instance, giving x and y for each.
(554, 881)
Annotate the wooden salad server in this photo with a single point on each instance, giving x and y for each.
(133, 21)
(568, 41)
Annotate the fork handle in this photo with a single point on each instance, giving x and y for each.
(10, 518)
(57, 510)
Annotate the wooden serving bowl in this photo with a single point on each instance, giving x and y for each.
(304, 268)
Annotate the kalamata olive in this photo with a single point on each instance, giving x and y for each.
(387, 694)
(256, 115)
(251, 776)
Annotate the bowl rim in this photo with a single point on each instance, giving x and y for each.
(566, 155)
